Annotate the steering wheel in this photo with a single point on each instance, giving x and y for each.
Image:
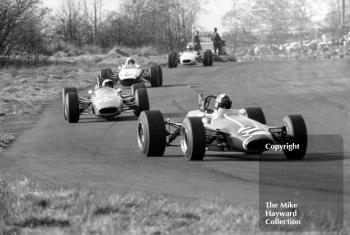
(207, 101)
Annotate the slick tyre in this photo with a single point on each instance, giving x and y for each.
(172, 60)
(256, 114)
(151, 133)
(208, 58)
(296, 132)
(193, 139)
(155, 76)
(65, 90)
(160, 75)
(106, 73)
(136, 86)
(141, 101)
(72, 107)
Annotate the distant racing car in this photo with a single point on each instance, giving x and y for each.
(190, 57)
(131, 73)
(221, 129)
(105, 101)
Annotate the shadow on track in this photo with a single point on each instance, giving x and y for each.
(113, 119)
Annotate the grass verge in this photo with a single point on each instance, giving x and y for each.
(25, 207)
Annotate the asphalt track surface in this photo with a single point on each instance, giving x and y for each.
(104, 155)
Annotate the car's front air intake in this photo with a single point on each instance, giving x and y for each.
(109, 110)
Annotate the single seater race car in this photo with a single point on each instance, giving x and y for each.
(190, 57)
(221, 129)
(105, 101)
(132, 73)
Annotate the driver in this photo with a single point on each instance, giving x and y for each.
(108, 83)
(223, 101)
(189, 47)
(130, 60)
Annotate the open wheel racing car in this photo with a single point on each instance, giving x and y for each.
(132, 73)
(221, 129)
(190, 57)
(105, 101)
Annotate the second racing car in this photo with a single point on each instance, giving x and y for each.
(221, 128)
(132, 73)
(105, 101)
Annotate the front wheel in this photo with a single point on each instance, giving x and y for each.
(296, 135)
(65, 90)
(172, 60)
(151, 133)
(193, 139)
(156, 76)
(141, 101)
(208, 58)
(72, 107)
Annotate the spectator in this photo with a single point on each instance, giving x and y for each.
(216, 41)
(197, 42)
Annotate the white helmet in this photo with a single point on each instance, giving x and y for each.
(223, 101)
(130, 60)
(108, 83)
(189, 47)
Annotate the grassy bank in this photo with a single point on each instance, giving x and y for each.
(26, 207)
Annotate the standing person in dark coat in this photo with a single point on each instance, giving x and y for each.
(197, 42)
(216, 41)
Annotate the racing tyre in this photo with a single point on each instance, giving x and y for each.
(172, 60)
(151, 133)
(136, 86)
(256, 114)
(155, 79)
(106, 74)
(193, 139)
(295, 129)
(208, 58)
(65, 90)
(141, 101)
(160, 75)
(72, 107)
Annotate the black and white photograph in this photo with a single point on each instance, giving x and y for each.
(174, 117)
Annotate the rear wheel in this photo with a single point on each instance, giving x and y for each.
(256, 114)
(151, 133)
(141, 101)
(136, 86)
(155, 76)
(193, 139)
(72, 107)
(65, 90)
(295, 128)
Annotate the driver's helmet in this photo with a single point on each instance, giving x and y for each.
(130, 60)
(223, 101)
(108, 83)
(189, 47)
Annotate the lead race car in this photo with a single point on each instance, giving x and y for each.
(221, 129)
(190, 57)
(131, 73)
(105, 101)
